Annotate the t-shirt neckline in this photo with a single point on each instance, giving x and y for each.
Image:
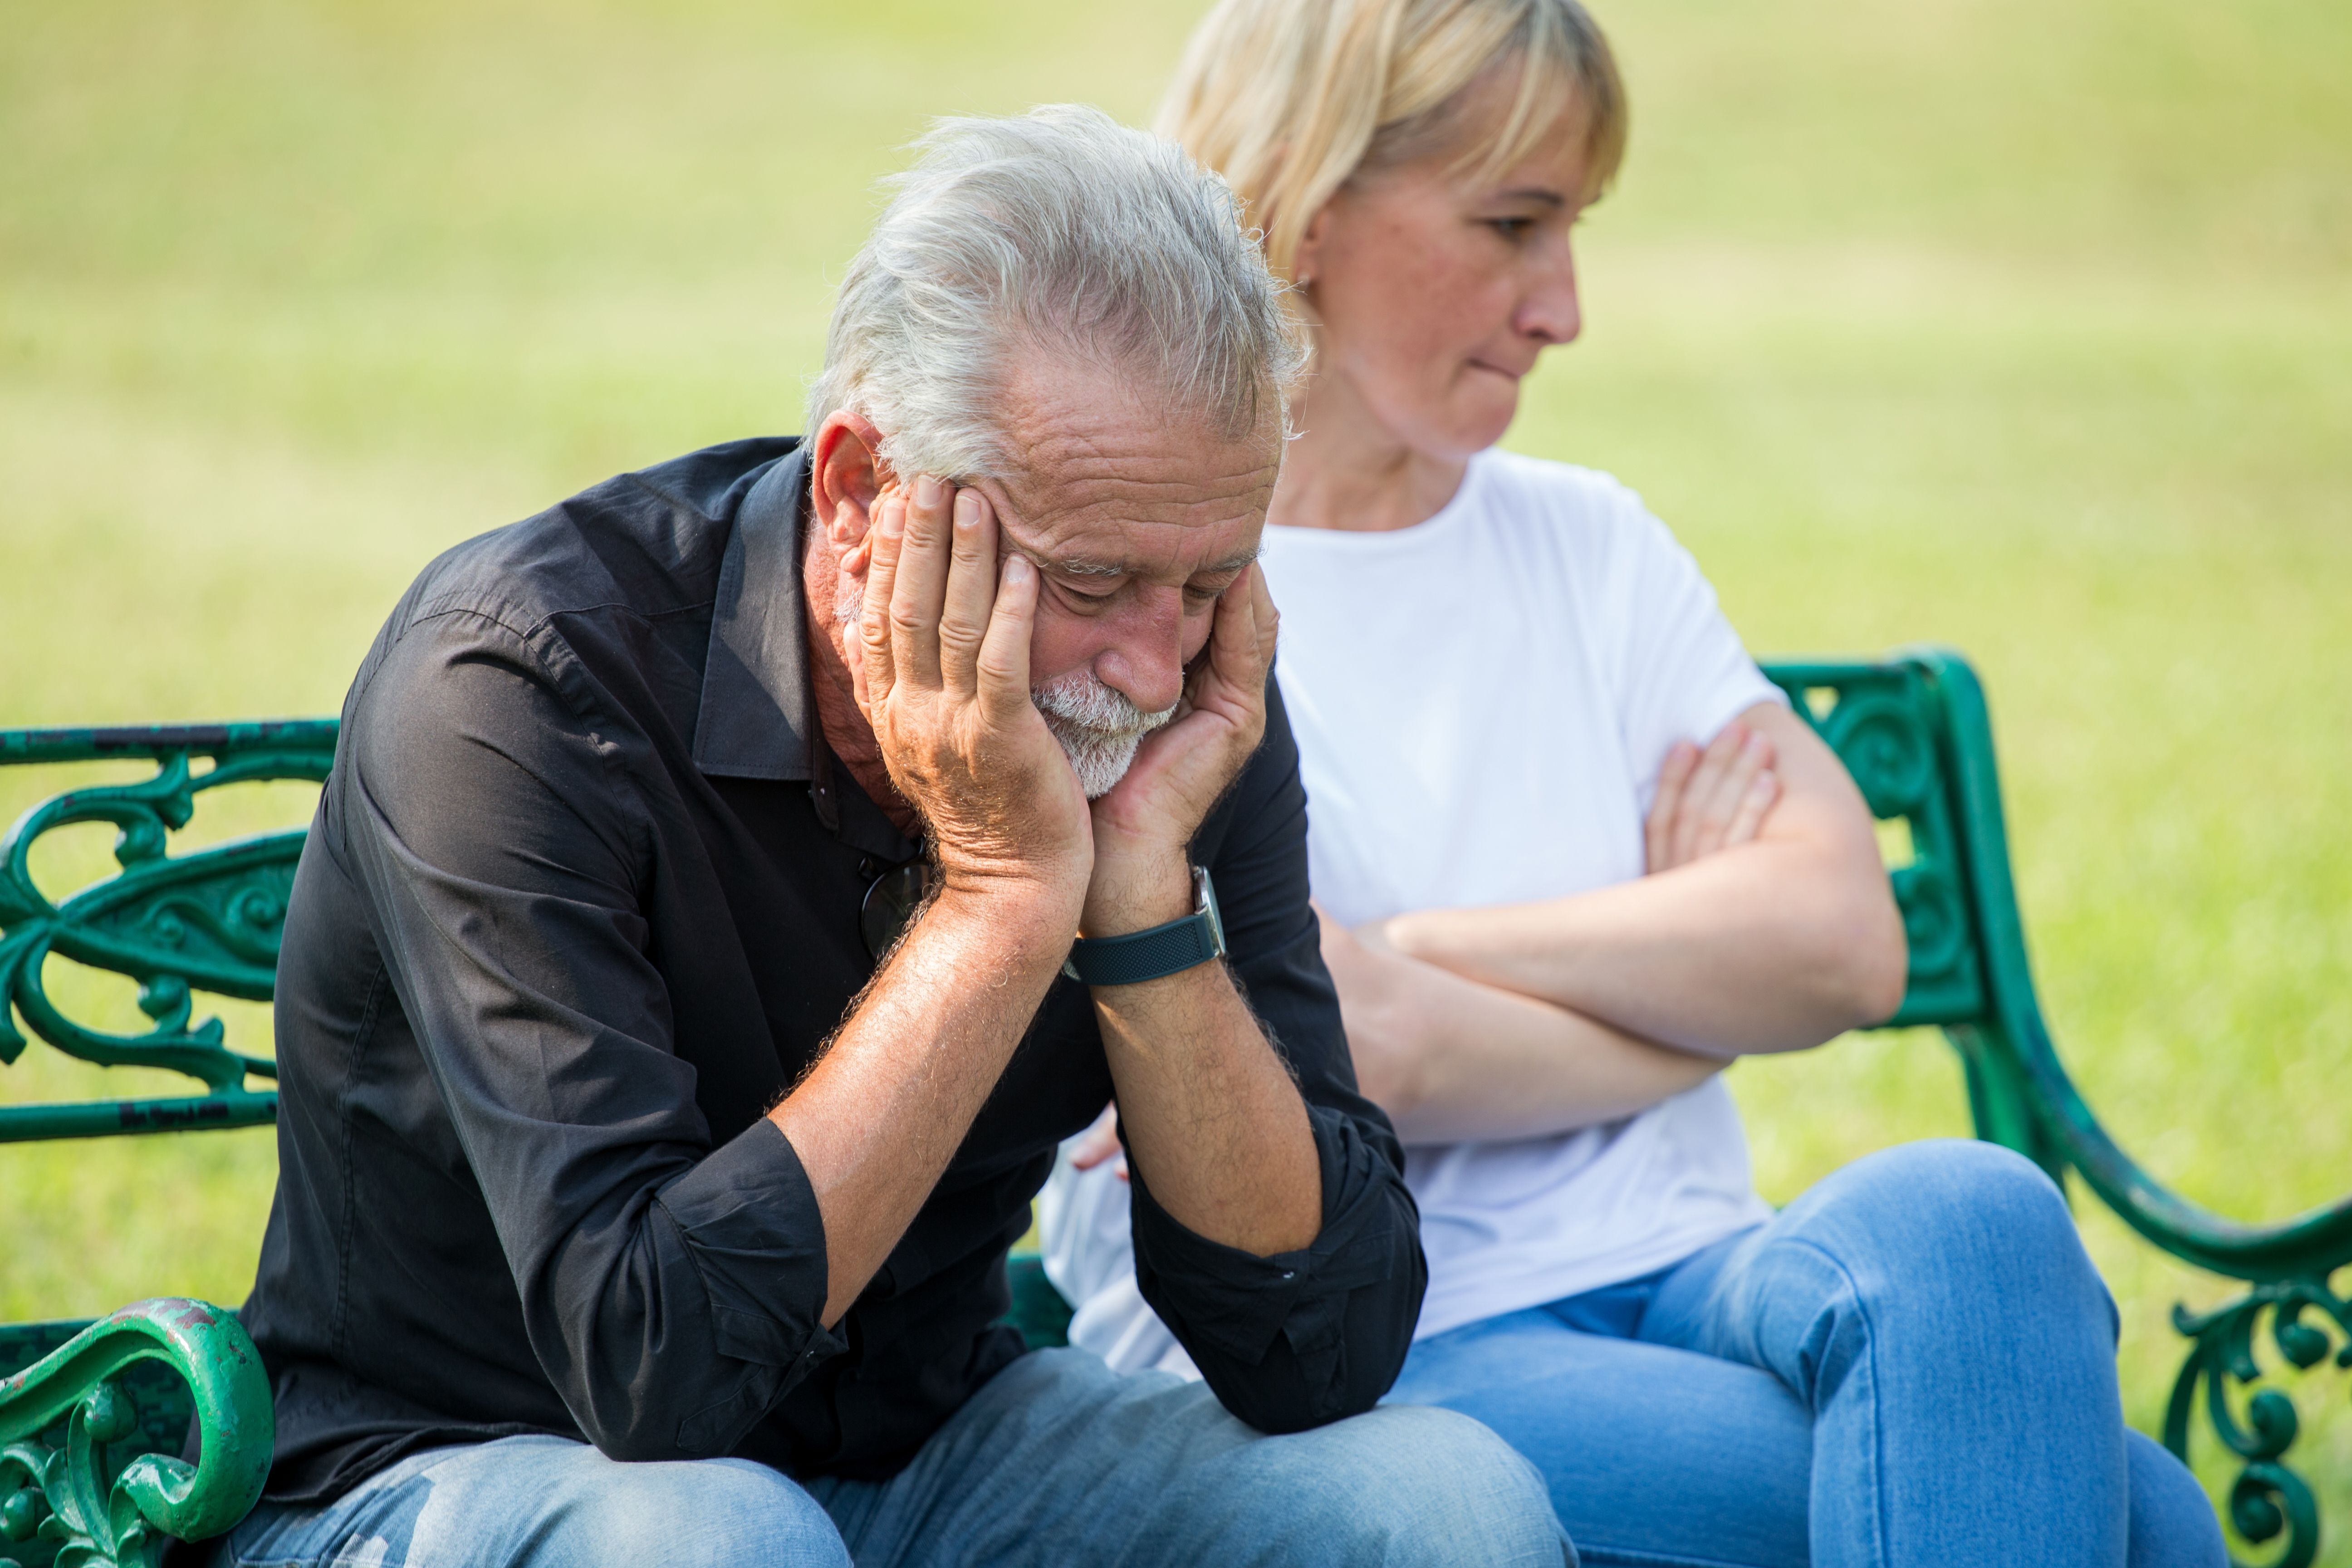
(1459, 505)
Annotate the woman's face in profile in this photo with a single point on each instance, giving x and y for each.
(1434, 289)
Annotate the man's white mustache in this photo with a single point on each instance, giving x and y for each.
(1099, 728)
(1081, 701)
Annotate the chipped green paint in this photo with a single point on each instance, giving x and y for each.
(91, 1495)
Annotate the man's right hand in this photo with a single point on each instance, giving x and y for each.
(944, 681)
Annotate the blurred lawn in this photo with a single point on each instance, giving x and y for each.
(2022, 327)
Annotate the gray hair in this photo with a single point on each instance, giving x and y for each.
(1058, 230)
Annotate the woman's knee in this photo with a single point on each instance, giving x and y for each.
(1947, 1205)
(2172, 1522)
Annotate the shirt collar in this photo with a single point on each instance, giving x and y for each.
(758, 719)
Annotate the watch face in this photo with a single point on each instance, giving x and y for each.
(890, 902)
(1207, 900)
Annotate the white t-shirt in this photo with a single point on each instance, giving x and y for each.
(1482, 703)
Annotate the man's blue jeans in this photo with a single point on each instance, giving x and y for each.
(1914, 1364)
(1058, 1462)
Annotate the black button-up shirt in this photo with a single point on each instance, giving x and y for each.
(580, 901)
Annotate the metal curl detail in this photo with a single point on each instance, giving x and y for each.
(1935, 922)
(1883, 744)
(210, 920)
(2268, 1498)
(101, 1501)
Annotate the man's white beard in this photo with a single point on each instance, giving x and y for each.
(1099, 729)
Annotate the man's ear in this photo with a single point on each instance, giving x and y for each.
(847, 474)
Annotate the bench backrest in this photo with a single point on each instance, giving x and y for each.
(177, 924)
(210, 920)
(1912, 728)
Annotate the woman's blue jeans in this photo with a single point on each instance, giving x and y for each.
(1913, 1364)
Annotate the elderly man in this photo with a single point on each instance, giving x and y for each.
(735, 880)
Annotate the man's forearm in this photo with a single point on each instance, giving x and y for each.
(1450, 1059)
(1213, 1120)
(877, 1119)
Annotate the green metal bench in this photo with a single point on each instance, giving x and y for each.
(92, 1413)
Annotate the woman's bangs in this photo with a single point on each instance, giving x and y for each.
(1559, 92)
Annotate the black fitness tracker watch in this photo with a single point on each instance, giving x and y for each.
(1163, 950)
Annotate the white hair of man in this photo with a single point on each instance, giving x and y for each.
(1058, 231)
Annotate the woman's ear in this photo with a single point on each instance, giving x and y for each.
(1306, 266)
(847, 474)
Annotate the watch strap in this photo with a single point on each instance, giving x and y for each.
(1156, 952)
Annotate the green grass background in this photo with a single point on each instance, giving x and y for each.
(2026, 327)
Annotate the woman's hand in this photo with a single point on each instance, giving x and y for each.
(1100, 1142)
(1776, 930)
(1710, 800)
(1388, 1051)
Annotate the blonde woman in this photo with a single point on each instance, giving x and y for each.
(1574, 855)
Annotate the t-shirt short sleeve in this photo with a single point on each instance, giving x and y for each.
(1682, 673)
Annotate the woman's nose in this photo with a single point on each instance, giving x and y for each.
(1550, 311)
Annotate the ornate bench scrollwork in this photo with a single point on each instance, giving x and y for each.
(77, 1483)
(207, 921)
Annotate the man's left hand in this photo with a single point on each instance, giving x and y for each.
(1144, 825)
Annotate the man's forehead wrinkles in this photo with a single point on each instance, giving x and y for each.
(1124, 485)
(1064, 513)
(1141, 448)
(1106, 485)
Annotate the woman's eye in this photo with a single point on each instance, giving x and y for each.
(1512, 228)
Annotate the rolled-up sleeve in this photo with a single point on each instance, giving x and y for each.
(671, 1290)
(1299, 1338)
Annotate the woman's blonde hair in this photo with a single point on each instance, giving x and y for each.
(1289, 99)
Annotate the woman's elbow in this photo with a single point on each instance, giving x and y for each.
(1876, 957)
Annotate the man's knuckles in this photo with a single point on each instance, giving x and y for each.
(960, 636)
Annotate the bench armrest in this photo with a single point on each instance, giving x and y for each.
(68, 1474)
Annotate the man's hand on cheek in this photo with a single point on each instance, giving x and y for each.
(1144, 825)
(943, 678)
